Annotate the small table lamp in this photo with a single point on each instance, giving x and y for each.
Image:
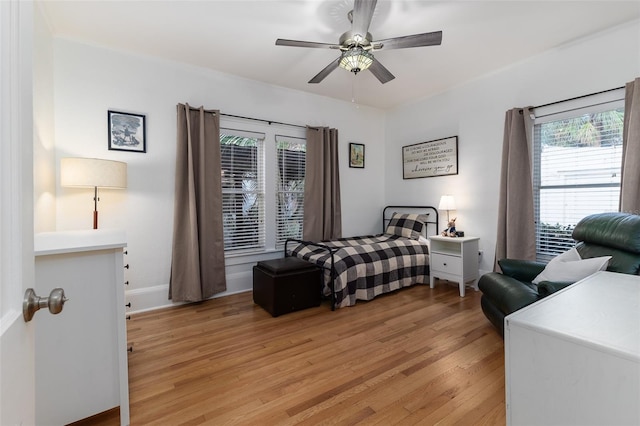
(93, 173)
(447, 202)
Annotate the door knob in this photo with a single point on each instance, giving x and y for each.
(32, 303)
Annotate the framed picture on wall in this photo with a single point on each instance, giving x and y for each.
(126, 131)
(356, 155)
(429, 159)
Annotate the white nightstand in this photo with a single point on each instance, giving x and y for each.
(454, 259)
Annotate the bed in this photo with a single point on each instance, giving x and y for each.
(361, 268)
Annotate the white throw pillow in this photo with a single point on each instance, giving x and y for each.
(569, 267)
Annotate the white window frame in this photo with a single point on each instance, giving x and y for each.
(600, 102)
(270, 180)
(258, 192)
(280, 240)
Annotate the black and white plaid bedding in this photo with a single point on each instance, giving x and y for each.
(406, 225)
(369, 266)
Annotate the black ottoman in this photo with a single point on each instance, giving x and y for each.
(286, 285)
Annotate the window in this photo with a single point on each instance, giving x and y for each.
(243, 213)
(263, 177)
(291, 154)
(577, 162)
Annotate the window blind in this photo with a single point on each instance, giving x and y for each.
(291, 154)
(242, 162)
(577, 163)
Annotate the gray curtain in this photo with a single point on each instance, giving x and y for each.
(322, 210)
(630, 187)
(197, 261)
(516, 225)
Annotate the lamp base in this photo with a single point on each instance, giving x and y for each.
(95, 207)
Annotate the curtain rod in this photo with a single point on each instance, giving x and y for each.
(579, 97)
(214, 111)
(263, 120)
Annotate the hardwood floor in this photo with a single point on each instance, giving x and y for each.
(417, 356)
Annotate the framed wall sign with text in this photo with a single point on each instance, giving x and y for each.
(429, 159)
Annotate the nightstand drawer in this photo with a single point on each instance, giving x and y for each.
(445, 263)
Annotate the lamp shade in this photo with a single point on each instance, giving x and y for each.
(447, 202)
(93, 172)
(356, 59)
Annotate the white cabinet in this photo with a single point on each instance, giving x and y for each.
(454, 259)
(573, 358)
(80, 353)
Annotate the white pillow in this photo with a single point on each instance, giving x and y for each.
(569, 267)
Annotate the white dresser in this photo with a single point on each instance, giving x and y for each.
(80, 353)
(573, 358)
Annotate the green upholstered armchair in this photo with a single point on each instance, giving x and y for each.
(604, 234)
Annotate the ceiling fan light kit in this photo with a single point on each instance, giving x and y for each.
(356, 59)
(356, 48)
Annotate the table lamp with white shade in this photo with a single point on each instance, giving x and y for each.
(447, 202)
(93, 173)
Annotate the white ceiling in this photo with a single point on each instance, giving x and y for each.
(238, 37)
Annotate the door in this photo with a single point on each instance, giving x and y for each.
(17, 377)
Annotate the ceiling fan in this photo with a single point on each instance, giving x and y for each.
(356, 45)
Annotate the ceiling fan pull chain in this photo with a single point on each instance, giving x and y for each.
(353, 89)
(353, 92)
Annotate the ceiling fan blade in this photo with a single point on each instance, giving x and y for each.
(326, 71)
(380, 72)
(300, 43)
(362, 14)
(416, 40)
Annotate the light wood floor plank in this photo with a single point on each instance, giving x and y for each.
(416, 356)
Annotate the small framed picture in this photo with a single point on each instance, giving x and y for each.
(126, 132)
(356, 155)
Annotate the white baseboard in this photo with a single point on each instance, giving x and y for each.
(157, 297)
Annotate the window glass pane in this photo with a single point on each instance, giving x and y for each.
(291, 154)
(562, 208)
(577, 165)
(242, 161)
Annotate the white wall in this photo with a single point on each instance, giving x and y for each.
(43, 126)
(90, 80)
(475, 113)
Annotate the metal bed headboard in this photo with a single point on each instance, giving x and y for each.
(429, 211)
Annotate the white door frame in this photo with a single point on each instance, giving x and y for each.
(17, 371)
